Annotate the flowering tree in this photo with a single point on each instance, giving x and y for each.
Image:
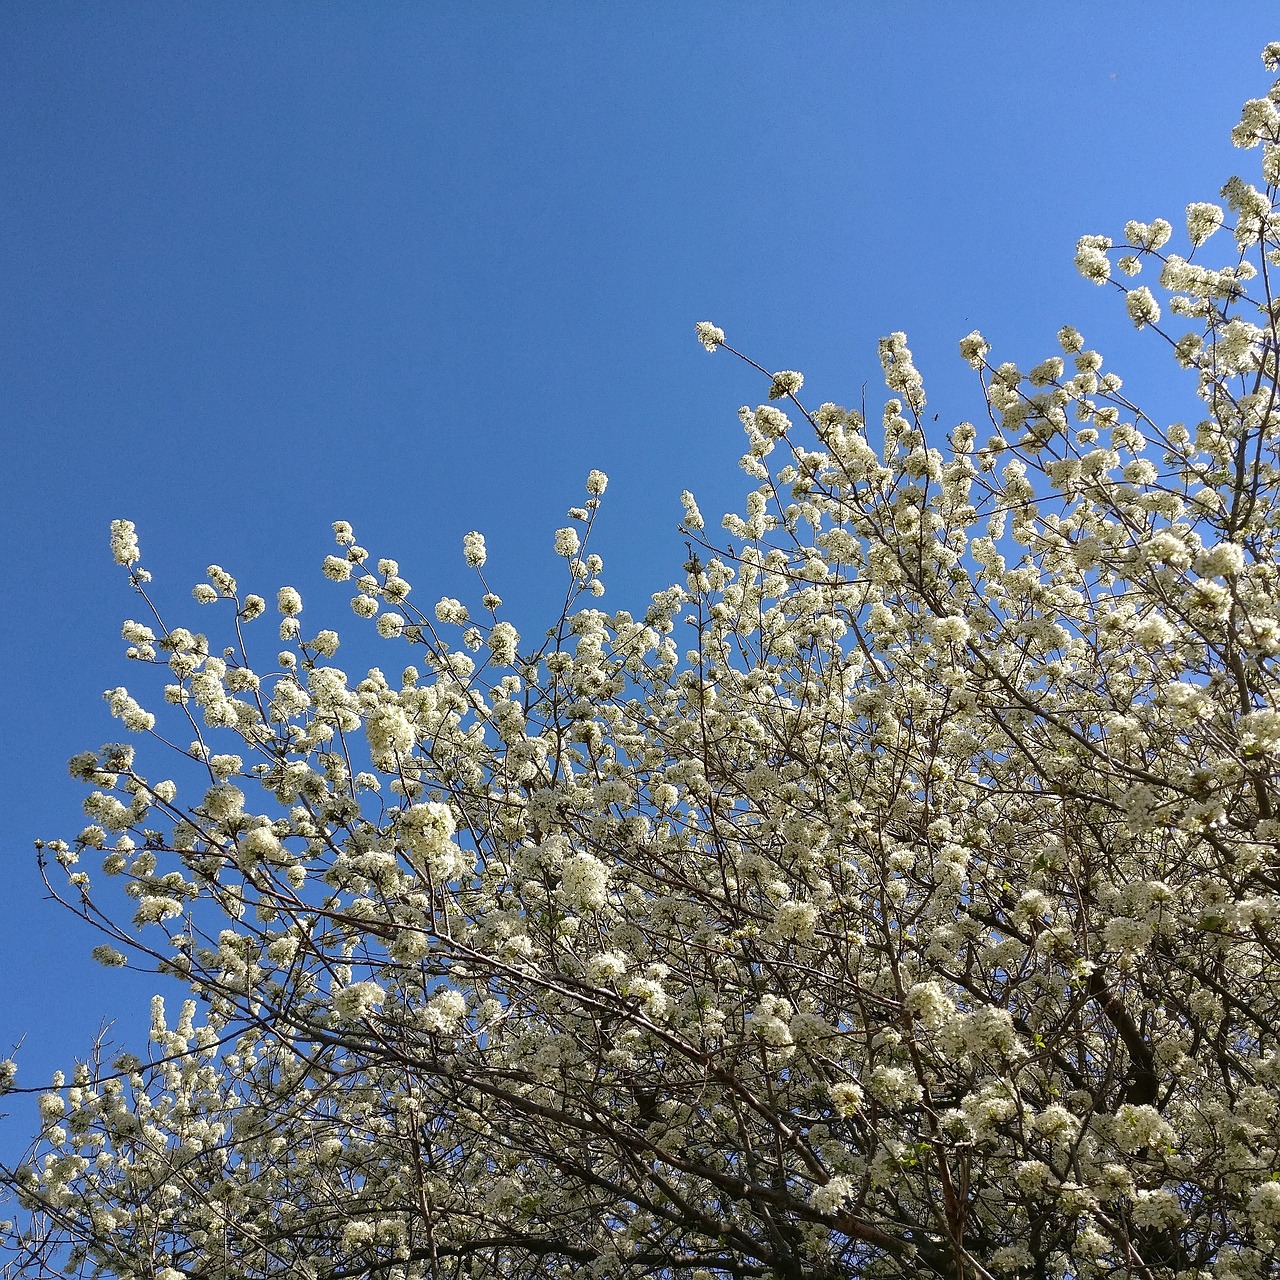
(897, 896)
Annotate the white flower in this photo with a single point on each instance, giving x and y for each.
(1155, 631)
(1157, 1209)
(770, 1020)
(52, 1106)
(396, 590)
(473, 549)
(1031, 1175)
(444, 1011)
(358, 1000)
(1264, 1204)
(974, 348)
(390, 734)
(124, 708)
(1220, 561)
(259, 844)
(597, 483)
(847, 1098)
(221, 579)
(893, 1086)
(584, 881)
(795, 919)
(452, 611)
(692, 516)
(930, 1003)
(1134, 1127)
(986, 1030)
(606, 966)
(152, 908)
(772, 423)
(952, 630)
(428, 832)
(1070, 339)
(1046, 372)
(829, 1197)
(1202, 221)
(786, 383)
(651, 994)
(708, 334)
(1259, 732)
(1148, 235)
(1091, 261)
(566, 543)
(1257, 121)
(282, 950)
(124, 542)
(288, 601)
(1142, 306)
(1012, 1257)
(503, 640)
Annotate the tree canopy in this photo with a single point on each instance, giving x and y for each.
(897, 895)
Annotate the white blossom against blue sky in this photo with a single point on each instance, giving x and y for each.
(422, 267)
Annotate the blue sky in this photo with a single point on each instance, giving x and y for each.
(421, 266)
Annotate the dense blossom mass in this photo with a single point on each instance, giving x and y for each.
(897, 895)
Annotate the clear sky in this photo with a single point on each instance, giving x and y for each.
(421, 266)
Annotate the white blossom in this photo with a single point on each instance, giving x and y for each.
(288, 601)
(846, 1097)
(1202, 221)
(473, 550)
(1091, 258)
(709, 335)
(390, 734)
(124, 542)
(1135, 1127)
(795, 919)
(607, 966)
(1143, 307)
(1264, 1204)
(974, 348)
(829, 1197)
(566, 542)
(584, 881)
(358, 1000)
(503, 640)
(444, 1011)
(786, 383)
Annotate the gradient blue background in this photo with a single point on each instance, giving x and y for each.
(422, 266)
